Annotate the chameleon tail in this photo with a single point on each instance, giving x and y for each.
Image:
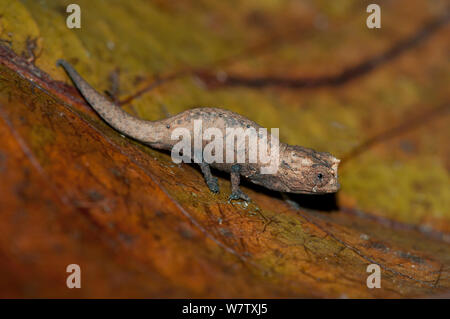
(112, 114)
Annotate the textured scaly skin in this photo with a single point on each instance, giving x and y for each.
(301, 170)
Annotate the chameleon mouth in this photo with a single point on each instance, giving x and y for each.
(335, 187)
(331, 187)
(315, 190)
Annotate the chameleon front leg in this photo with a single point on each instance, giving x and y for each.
(236, 192)
(211, 181)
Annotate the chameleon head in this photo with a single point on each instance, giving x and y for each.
(306, 171)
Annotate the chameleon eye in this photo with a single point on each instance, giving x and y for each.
(320, 176)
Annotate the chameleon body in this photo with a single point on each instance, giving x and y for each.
(301, 170)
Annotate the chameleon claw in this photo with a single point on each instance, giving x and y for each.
(238, 195)
(213, 185)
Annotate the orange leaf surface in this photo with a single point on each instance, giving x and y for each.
(73, 190)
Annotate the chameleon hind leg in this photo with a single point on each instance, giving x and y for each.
(236, 192)
(211, 181)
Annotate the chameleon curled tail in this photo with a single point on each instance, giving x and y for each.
(110, 112)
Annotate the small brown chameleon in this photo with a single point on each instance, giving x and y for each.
(301, 170)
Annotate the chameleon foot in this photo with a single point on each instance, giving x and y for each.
(213, 184)
(239, 195)
(211, 181)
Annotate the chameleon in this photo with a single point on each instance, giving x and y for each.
(300, 170)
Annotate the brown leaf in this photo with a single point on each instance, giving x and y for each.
(73, 190)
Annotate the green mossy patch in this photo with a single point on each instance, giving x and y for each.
(409, 190)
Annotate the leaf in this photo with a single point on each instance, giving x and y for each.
(73, 190)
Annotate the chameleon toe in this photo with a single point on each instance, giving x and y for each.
(239, 195)
(213, 185)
